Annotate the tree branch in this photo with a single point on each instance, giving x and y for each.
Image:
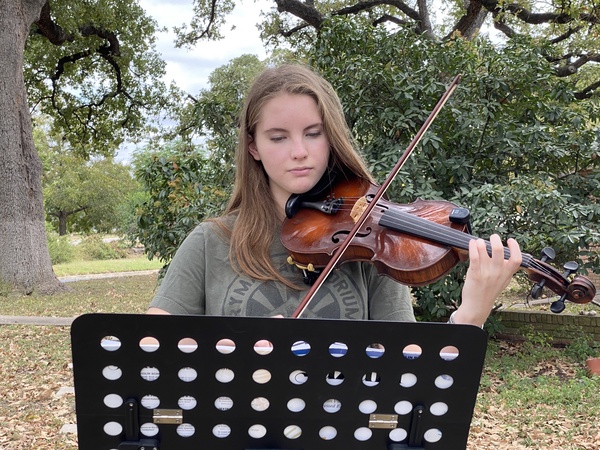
(471, 21)
(529, 17)
(588, 91)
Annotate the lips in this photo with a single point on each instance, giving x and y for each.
(299, 171)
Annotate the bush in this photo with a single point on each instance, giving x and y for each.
(61, 250)
(94, 248)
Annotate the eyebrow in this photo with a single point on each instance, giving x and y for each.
(277, 129)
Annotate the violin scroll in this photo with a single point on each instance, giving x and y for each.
(578, 290)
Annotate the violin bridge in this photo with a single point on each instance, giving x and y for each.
(358, 209)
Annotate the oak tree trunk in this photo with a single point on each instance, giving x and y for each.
(24, 258)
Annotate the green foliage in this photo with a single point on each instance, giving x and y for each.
(81, 195)
(182, 183)
(102, 84)
(535, 340)
(61, 250)
(126, 212)
(214, 115)
(184, 186)
(582, 346)
(93, 247)
(511, 144)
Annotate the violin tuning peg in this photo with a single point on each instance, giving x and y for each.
(558, 306)
(547, 254)
(570, 268)
(536, 290)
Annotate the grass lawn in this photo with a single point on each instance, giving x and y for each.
(532, 396)
(106, 266)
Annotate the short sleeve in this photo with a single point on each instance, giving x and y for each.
(182, 290)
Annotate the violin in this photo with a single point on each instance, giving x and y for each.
(415, 244)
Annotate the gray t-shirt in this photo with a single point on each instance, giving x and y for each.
(200, 280)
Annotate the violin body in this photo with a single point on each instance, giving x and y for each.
(312, 237)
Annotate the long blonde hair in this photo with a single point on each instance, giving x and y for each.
(257, 222)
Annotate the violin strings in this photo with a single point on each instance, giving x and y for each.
(444, 235)
(420, 227)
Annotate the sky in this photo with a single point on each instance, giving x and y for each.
(190, 68)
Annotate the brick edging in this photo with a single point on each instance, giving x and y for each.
(562, 328)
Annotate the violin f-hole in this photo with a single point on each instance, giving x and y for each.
(339, 236)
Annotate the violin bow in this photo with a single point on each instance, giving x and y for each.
(338, 253)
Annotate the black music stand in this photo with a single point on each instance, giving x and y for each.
(240, 383)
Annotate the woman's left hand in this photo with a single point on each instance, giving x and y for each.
(486, 278)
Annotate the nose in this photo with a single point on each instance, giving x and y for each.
(299, 150)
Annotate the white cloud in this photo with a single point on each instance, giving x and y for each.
(190, 68)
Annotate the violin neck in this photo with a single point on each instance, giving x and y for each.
(441, 234)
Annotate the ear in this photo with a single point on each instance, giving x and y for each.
(252, 148)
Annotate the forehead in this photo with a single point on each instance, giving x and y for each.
(286, 107)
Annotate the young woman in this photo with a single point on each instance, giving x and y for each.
(292, 133)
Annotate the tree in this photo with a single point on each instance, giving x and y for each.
(84, 196)
(187, 182)
(183, 186)
(568, 32)
(93, 68)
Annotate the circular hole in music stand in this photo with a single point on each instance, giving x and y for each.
(332, 405)
(408, 380)
(225, 346)
(221, 430)
(186, 430)
(363, 434)
(292, 432)
(296, 404)
(223, 403)
(150, 401)
(371, 379)
(432, 435)
(403, 407)
(367, 406)
(187, 345)
(187, 402)
(300, 348)
(375, 350)
(338, 349)
(412, 351)
(112, 373)
(334, 378)
(438, 409)
(327, 433)
(263, 347)
(187, 374)
(261, 376)
(150, 373)
(113, 400)
(110, 343)
(444, 381)
(298, 377)
(260, 404)
(398, 434)
(149, 344)
(257, 431)
(449, 353)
